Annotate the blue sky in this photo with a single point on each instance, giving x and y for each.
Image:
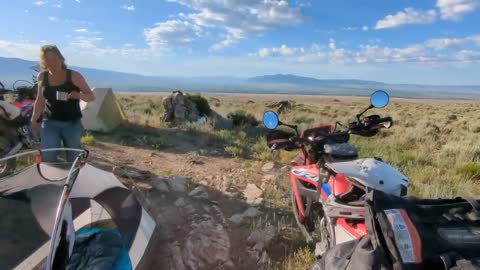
(427, 41)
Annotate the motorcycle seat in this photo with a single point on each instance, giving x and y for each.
(341, 150)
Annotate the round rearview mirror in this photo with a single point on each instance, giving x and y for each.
(379, 99)
(270, 120)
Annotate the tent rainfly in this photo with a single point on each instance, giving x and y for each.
(29, 204)
(104, 114)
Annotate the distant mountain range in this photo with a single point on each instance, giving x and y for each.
(12, 69)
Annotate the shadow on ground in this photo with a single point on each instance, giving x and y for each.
(195, 228)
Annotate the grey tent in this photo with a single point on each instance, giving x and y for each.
(29, 207)
(104, 114)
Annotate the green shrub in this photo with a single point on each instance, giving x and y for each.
(242, 118)
(470, 170)
(233, 150)
(201, 102)
(88, 139)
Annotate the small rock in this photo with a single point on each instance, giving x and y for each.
(268, 178)
(284, 169)
(177, 184)
(250, 212)
(451, 116)
(180, 202)
(199, 193)
(268, 167)
(197, 162)
(210, 177)
(153, 154)
(257, 201)
(252, 194)
(143, 185)
(203, 182)
(237, 218)
(264, 236)
(231, 194)
(160, 185)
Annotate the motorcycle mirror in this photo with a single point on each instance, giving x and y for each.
(379, 99)
(270, 120)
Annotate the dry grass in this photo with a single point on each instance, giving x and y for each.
(434, 143)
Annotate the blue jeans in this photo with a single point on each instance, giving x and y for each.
(53, 132)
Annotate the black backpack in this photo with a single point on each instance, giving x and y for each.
(411, 233)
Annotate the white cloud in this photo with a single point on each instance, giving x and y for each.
(78, 1)
(227, 42)
(128, 7)
(365, 28)
(172, 33)
(331, 44)
(83, 42)
(426, 52)
(58, 4)
(283, 50)
(81, 30)
(442, 43)
(349, 28)
(303, 4)
(467, 56)
(53, 19)
(40, 2)
(475, 38)
(456, 9)
(408, 16)
(20, 49)
(241, 19)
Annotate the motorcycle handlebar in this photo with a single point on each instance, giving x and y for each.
(382, 120)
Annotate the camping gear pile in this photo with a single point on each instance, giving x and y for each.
(70, 216)
(411, 233)
(179, 109)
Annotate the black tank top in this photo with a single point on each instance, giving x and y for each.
(57, 109)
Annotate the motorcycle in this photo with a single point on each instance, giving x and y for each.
(329, 181)
(15, 130)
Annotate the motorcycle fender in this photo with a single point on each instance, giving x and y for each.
(305, 184)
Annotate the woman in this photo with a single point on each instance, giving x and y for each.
(58, 102)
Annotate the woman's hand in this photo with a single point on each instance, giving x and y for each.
(74, 95)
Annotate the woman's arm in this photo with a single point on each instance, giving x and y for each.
(86, 93)
(39, 107)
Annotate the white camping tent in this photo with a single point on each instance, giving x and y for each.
(104, 114)
(29, 204)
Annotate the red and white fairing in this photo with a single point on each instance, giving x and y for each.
(373, 173)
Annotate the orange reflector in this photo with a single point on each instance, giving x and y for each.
(38, 159)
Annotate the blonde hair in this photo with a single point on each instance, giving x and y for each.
(53, 49)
